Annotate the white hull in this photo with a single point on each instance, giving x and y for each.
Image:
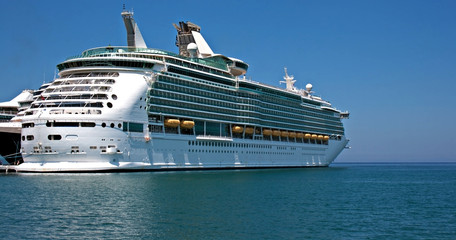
(175, 152)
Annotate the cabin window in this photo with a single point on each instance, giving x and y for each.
(87, 124)
(132, 127)
(28, 125)
(54, 137)
(65, 124)
(135, 127)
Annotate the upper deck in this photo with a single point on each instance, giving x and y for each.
(218, 61)
(217, 64)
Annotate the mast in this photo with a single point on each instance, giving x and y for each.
(289, 80)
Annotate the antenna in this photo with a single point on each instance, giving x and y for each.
(289, 80)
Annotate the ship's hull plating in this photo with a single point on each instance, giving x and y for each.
(134, 152)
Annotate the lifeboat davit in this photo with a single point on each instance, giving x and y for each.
(187, 124)
(238, 129)
(267, 132)
(249, 130)
(172, 122)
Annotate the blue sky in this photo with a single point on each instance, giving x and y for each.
(392, 64)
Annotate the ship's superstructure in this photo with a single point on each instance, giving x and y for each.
(10, 126)
(137, 108)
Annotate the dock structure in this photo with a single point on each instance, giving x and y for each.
(8, 168)
(5, 166)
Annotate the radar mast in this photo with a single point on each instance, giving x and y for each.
(289, 80)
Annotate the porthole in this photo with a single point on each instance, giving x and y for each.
(103, 124)
(23, 138)
(119, 125)
(109, 105)
(114, 97)
(112, 125)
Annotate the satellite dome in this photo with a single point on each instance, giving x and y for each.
(192, 48)
(309, 87)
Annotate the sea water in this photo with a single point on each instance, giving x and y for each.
(344, 201)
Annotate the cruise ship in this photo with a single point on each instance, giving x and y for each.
(10, 126)
(136, 108)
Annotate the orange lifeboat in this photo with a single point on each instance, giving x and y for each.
(276, 133)
(292, 134)
(284, 134)
(237, 129)
(314, 136)
(249, 130)
(187, 124)
(320, 137)
(172, 122)
(307, 135)
(326, 138)
(300, 135)
(267, 132)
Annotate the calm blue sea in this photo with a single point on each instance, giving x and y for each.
(344, 201)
